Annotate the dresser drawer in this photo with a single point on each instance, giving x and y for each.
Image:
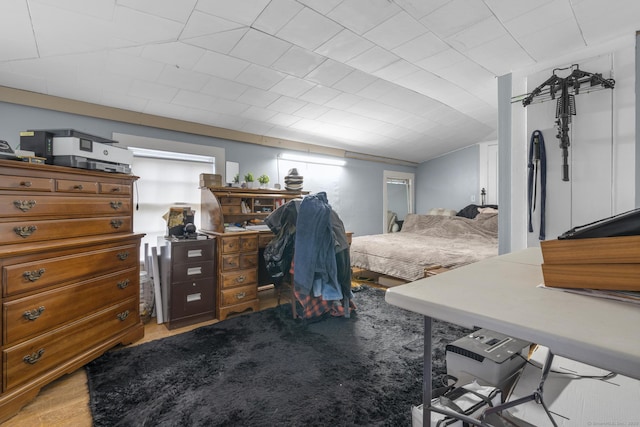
(52, 205)
(235, 261)
(42, 272)
(239, 278)
(73, 186)
(193, 271)
(192, 298)
(31, 231)
(30, 359)
(29, 316)
(202, 250)
(115, 189)
(26, 183)
(238, 295)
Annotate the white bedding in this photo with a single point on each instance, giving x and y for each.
(427, 241)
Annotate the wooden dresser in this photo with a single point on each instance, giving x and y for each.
(70, 273)
(188, 281)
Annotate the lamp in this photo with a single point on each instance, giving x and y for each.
(311, 159)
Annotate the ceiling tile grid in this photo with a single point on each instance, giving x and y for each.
(404, 79)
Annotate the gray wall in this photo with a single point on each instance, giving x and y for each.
(448, 181)
(356, 195)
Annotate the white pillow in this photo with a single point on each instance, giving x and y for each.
(442, 212)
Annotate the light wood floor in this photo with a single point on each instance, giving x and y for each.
(65, 402)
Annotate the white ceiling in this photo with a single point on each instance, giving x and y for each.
(403, 79)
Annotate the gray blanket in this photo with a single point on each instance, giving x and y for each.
(427, 241)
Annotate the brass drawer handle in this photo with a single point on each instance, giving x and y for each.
(116, 223)
(123, 284)
(123, 255)
(240, 295)
(241, 279)
(116, 205)
(25, 231)
(25, 184)
(78, 187)
(116, 189)
(33, 314)
(24, 205)
(32, 276)
(33, 357)
(122, 316)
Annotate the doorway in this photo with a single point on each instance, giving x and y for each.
(397, 199)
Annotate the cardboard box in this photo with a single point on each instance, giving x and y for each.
(210, 180)
(611, 263)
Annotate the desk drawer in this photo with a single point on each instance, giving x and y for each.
(33, 315)
(238, 295)
(236, 261)
(240, 278)
(82, 264)
(35, 357)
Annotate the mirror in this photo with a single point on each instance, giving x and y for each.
(231, 170)
(397, 199)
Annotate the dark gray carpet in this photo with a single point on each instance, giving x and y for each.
(267, 369)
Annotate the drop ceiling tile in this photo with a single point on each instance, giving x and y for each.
(257, 97)
(127, 22)
(343, 101)
(306, 125)
(17, 37)
(152, 91)
(421, 47)
(191, 99)
(218, 42)
(321, 6)
(102, 9)
(115, 100)
(344, 46)
(23, 81)
(373, 60)
(319, 95)
(255, 127)
(298, 61)
(477, 34)
(309, 29)
(395, 31)
(441, 60)
(282, 119)
(329, 72)
(257, 113)
(260, 77)
(311, 111)
(501, 56)
(223, 88)
(232, 108)
(545, 44)
(128, 65)
(354, 82)
(540, 19)
(182, 78)
(377, 89)
(287, 105)
(361, 16)
(243, 12)
(455, 16)
(276, 15)
(169, 9)
(164, 109)
(601, 24)
(292, 86)
(420, 8)
(508, 10)
(202, 24)
(217, 64)
(396, 70)
(259, 48)
(176, 53)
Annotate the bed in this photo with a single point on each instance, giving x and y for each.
(428, 243)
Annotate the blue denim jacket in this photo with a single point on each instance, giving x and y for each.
(315, 268)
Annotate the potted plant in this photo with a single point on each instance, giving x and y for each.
(236, 180)
(263, 180)
(248, 178)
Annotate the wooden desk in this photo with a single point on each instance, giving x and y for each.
(501, 294)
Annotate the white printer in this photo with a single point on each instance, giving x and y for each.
(487, 356)
(87, 154)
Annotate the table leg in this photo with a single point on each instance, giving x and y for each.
(426, 374)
